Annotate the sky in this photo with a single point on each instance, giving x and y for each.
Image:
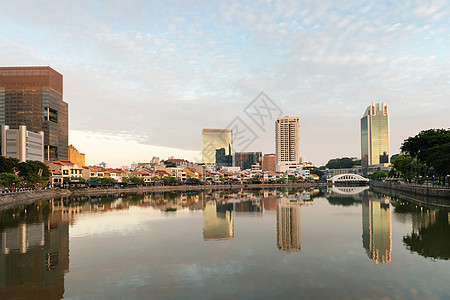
(143, 78)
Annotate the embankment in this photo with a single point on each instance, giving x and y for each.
(424, 194)
(27, 197)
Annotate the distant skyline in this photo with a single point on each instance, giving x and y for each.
(143, 78)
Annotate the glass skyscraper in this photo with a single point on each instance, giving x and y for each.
(217, 147)
(375, 135)
(33, 96)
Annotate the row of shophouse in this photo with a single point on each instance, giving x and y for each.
(64, 170)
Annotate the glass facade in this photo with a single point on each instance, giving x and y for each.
(217, 147)
(375, 133)
(33, 96)
(245, 160)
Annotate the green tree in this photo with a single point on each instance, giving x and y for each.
(8, 164)
(431, 149)
(341, 163)
(34, 172)
(8, 179)
(402, 165)
(380, 175)
(104, 180)
(135, 180)
(169, 180)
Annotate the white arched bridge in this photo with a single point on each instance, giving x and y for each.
(348, 178)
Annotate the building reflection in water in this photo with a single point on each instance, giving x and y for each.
(218, 221)
(288, 221)
(377, 228)
(34, 255)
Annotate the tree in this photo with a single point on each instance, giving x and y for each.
(402, 165)
(135, 180)
(8, 164)
(380, 175)
(169, 180)
(431, 148)
(104, 180)
(34, 172)
(8, 179)
(341, 163)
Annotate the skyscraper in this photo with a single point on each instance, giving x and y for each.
(33, 97)
(217, 147)
(287, 137)
(269, 162)
(375, 135)
(245, 160)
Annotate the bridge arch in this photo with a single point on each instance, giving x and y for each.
(348, 178)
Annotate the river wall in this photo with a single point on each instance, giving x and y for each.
(422, 194)
(27, 197)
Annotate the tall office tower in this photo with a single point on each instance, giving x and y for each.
(375, 135)
(245, 160)
(269, 162)
(33, 97)
(288, 225)
(377, 229)
(287, 136)
(217, 147)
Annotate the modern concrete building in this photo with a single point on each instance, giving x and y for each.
(375, 135)
(33, 97)
(76, 157)
(22, 144)
(269, 162)
(245, 160)
(217, 148)
(287, 138)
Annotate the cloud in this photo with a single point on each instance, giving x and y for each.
(162, 71)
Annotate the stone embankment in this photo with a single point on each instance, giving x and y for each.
(26, 197)
(425, 194)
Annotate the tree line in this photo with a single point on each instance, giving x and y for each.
(22, 174)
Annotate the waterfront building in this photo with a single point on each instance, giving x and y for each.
(375, 134)
(377, 229)
(269, 162)
(22, 144)
(76, 157)
(288, 225)
(217, 148)
(33, 97)
(64, 169)
(287, 138)
(245, 160)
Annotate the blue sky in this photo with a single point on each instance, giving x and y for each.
(142, 78)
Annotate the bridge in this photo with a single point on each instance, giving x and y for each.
(346, 178)
(349, 190)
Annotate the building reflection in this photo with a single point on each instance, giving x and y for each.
(377, 228)
(218, 221)
(35, 254)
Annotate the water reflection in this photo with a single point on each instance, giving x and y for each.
(34, 257)
(430, 236)
(377, 228)
(218, 221)
(35, 252)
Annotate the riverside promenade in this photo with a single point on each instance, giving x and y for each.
(436, 195)
(26, 197)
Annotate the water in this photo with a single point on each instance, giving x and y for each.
(244, 244)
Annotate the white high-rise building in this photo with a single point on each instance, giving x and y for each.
(287, 138)
(22, 144)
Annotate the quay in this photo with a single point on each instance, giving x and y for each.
(11, 200)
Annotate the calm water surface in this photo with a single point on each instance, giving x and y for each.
(243, 244)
